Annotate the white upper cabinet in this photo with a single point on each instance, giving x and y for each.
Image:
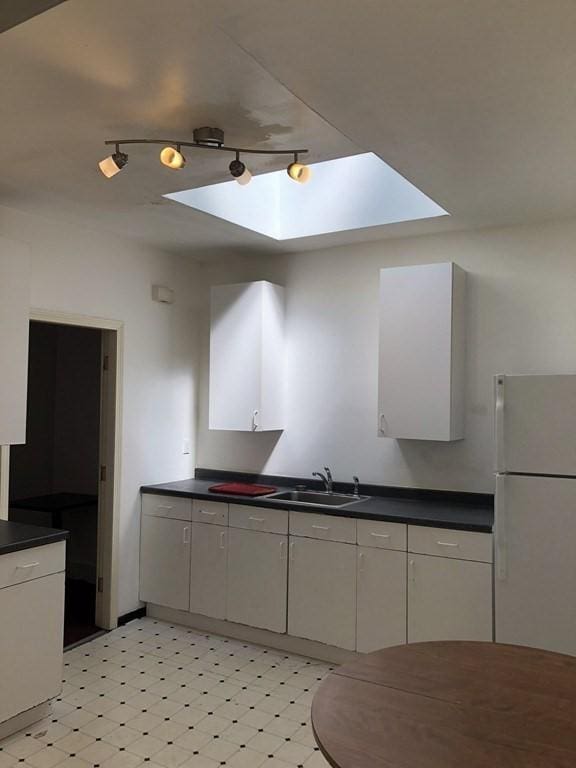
(421, 362)
(247, 357)
(14, 328)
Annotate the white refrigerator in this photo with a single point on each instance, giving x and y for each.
(535, 520)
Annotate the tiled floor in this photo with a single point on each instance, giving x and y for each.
(163, 696)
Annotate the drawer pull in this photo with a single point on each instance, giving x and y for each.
(380, 535)
(447, 544)
(321, 527)
(164, 506)
(207, 512)
(28, 565)
(256, 519)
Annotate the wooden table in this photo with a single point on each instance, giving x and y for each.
(449, 705)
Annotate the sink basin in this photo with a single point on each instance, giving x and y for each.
(317, 497)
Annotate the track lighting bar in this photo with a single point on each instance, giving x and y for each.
(198, 145)
(204, 138)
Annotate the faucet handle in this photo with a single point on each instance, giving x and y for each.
(356, 485)
(328, 473)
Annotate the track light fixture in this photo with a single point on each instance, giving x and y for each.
(298, 171)
(204, 138)
(113, 164)
(172, 158)
(239, 171)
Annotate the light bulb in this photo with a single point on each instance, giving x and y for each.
(172, 158)
(113, 164)
(299, 172)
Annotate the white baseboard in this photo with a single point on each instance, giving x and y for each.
(24, 719)
(287, 643)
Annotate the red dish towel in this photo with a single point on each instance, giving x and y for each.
(242, 489)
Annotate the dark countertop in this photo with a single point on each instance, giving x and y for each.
(17, 536)
(448, 512)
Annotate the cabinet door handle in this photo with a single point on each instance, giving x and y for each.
(380, 535)
(447, 544)
(382, 423)
(255, 424)
(321, 527)
(186, 535)
(256, 519)
(207, 512)
(361, 563)
(291, 551)
(223, 540)
(282, 550)
(411, 571)
(28, 565)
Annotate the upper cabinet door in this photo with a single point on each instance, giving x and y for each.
(14, 330)
(246, 357)
(421, 363)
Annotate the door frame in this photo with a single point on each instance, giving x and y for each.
(110, 455)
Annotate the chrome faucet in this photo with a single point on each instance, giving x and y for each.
(326, 479)
(356, 486)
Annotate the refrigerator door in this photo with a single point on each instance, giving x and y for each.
(535, 561)
(536, 424)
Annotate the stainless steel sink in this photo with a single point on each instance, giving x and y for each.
(317, 497)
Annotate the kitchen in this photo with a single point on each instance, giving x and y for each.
(519, 320)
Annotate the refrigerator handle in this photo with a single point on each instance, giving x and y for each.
(500, 525)
(499, 391)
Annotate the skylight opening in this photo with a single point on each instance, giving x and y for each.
(344, 194)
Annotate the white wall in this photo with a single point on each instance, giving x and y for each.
(521, 317)
(77, 270)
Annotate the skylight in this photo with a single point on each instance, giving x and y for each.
(343, 194)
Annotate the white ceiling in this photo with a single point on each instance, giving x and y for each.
(472, 100)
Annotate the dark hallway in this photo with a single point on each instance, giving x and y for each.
(54, 477)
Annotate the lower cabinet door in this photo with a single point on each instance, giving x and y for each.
(257, 579)
(448, 599)
(381, 599)
(208, 570)
(322, 592)
(165, 562)
(32, 620)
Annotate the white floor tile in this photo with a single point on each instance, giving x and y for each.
(156, 695)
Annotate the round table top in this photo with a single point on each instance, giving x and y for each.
(449, 705)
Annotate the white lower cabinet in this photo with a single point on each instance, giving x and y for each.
(354, 584)
(448, 599)
(381, 599)
(322, 591)
(257, 579)
(32, 622)
(165, 562)
(208, 566)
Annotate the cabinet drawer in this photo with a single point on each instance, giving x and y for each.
(382, 535)
(174, 507)
(215, 512)
(463, 545)
(27, 564)
(327, 527)
(259, 519)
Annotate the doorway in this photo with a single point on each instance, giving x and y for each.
(54, 476)
(66, 474)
